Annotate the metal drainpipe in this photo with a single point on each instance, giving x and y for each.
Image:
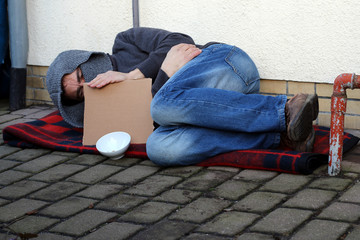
(19, 45)
(135, 8)
(338, 109)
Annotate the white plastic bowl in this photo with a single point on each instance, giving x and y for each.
(114, 144)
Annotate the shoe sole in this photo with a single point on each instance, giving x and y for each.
(301, 126)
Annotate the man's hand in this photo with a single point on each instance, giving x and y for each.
(178, 56)
(108, 77)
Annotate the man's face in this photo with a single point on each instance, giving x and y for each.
(73, 85)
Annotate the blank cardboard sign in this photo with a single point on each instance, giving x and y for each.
(123, 106)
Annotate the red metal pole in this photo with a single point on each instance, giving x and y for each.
(338, 109)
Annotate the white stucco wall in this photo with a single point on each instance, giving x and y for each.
(307, 40)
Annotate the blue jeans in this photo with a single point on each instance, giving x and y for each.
(211, 106)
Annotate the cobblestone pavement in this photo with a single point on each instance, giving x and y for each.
(59, 195)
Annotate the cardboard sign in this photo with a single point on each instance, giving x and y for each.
(123, 106)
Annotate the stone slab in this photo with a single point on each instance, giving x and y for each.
(114, 231)
(153, 185)
(19, 208)
(132, 174)
(21, 189)
(310, 199)
(58, 191)
(259, 201)
(32, 224)
(165, 229)
(320, 230)
(282, 221)
(149, 212)
(94, 174)
(68, 206)
(229, 223)
(83, 222)
(200, 210)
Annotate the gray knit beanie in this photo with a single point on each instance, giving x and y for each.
(90, 63)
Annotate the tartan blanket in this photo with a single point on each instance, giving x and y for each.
(54, 133)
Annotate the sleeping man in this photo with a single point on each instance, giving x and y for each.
(206, 98)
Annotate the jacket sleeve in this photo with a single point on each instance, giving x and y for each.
(156, 43)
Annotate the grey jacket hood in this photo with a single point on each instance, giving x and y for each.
(90, 63)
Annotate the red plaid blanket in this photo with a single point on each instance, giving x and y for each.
(54, 133)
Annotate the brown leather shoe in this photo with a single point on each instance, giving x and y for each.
(300, 112)
(301, 146)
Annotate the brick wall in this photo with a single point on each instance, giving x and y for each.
(37, 94)
(324, 91)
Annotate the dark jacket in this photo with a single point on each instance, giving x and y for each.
(145, 49)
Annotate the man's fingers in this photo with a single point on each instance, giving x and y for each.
(193, 53)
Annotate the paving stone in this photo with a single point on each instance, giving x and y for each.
(114, 231)
(331, 183)
(7, 150)
(149, 212)
(27, 154)
(178, 196)
(32, 224)
(352, 157)
(68, 206)
(101, 190)
(354, 234)
(57, 191)
(339, 211)
(51, 236)
(310, 199)
(205, 180)
(229, 223)
(6, 164)
(9, 117)
(19, 208)
(11, 176)
(352, 195)
(83, 222)
(12, 122)
(133, 174)
(25, 111)
(321, 170)
(320, 230)
(165, 230)
(88, 159)
(183, 171)
(20, 189)
(148, 163)
(351, 175)
(255, 175)
(200, 210)
(70, 155)
(286, 183)
(256, 236)
(94, 174)
(7, 236)
(58, 173)
(40, 114)
(224, 168)
(123, 162)
(41, 163)
(204, 236)
(153, 185)
(233, 189)
(282, 221)
(3, 201)
(120, 203)
(347, 166)
(259, 202)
